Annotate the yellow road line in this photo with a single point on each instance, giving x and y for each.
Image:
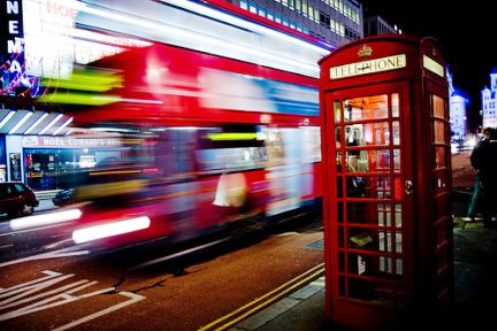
(267, 302)
(269, 298)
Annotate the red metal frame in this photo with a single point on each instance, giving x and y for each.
(391, 175)
(374, 295)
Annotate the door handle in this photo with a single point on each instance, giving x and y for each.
(408, 187)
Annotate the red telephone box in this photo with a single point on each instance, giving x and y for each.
(386, 153)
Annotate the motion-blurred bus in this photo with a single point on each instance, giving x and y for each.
(217, 130)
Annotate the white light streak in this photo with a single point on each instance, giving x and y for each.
(188, 35)
(45, 219)
(110, 229)
(205, 11)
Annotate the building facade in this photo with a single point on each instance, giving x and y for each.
(375, 25)
(458, 101)
(334, 21)
(34, 147)
(488, 101)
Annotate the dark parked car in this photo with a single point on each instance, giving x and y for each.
(17, 199)
(63, 197)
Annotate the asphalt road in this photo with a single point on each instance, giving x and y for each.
(23, 242)
(46, 282)
(150, 287)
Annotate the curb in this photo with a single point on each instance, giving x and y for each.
(280, 307)
(274, 303)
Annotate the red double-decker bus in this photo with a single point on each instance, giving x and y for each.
(212, 137)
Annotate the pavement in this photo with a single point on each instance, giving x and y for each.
(475, 262)
(475, 276)
(45, 199)
(45, 204)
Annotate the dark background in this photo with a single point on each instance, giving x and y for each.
(466, 31)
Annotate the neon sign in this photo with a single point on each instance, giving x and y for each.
(11, 49)
(13, 78)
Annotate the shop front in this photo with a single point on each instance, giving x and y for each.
(3, 160)
(53, 163)
(55, 168)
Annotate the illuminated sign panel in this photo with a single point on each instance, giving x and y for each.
(63, 142)
(368, 67)
(12, 79)
(12, 26)
(54, 43)
(433, 66)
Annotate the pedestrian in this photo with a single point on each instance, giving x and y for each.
(475, 201)
(484, 160)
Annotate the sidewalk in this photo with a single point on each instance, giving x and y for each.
(301, 310)
(475, 262)
(45, 199)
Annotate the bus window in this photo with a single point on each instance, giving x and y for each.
(175, 151)
(234, 147)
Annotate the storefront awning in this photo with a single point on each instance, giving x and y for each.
(24, 122)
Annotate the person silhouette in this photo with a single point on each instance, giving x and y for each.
(484, 160)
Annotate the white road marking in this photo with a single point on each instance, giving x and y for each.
(50, 255)
(30, 230)
(25, 293)
(63, 298)
(54, 291)
(172, 256)
(55, 301)
(284, 234)
(58, 243)
(49, 274)
(134, 298)
(6, 246)
(30, 289)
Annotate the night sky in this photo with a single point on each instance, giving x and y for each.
(459, 27)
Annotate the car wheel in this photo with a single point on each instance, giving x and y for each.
(27, 209)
